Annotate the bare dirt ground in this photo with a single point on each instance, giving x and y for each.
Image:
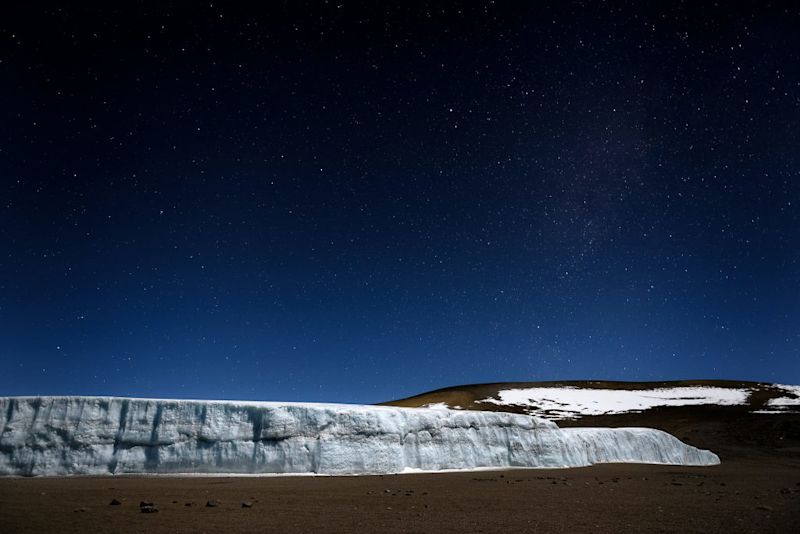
(738, 496)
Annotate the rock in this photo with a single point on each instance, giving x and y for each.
(764, 507)
(247, 504)
(142, 504)
(81, 509)
(148, 509)
(188, 504)
(212, 503)
(115, 502)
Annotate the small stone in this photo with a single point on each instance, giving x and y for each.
(247, 504)
(188, 504)
(115, 502)
(212, 504)
(142, 504)
(148, 509)
(81, 509)
(764, 507)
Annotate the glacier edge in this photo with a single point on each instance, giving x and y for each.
(55, 436)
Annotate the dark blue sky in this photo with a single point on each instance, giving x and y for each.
(347, 203)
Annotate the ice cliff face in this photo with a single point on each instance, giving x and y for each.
(95, 435)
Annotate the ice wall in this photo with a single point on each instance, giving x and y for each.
(107, 435)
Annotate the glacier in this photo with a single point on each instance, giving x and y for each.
(56, 436)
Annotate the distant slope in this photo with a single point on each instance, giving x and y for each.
(732, 418)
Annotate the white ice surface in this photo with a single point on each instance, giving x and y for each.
(571, 402)
(107, 435)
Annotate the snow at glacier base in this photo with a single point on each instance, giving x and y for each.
(112, 435)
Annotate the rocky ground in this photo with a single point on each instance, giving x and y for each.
(738, 496)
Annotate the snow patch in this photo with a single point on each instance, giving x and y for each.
(782, 405)
(437, 406)
(570, 402)
(786, 401)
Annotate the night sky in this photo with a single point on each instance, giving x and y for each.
(343, 202)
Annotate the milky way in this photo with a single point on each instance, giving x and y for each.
(343, 202)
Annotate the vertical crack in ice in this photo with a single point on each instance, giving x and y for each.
(256, 417)
(152, 451)
(9, 414)
(36, 404)
(122, 424)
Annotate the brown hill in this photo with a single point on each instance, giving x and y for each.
(754, 428)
